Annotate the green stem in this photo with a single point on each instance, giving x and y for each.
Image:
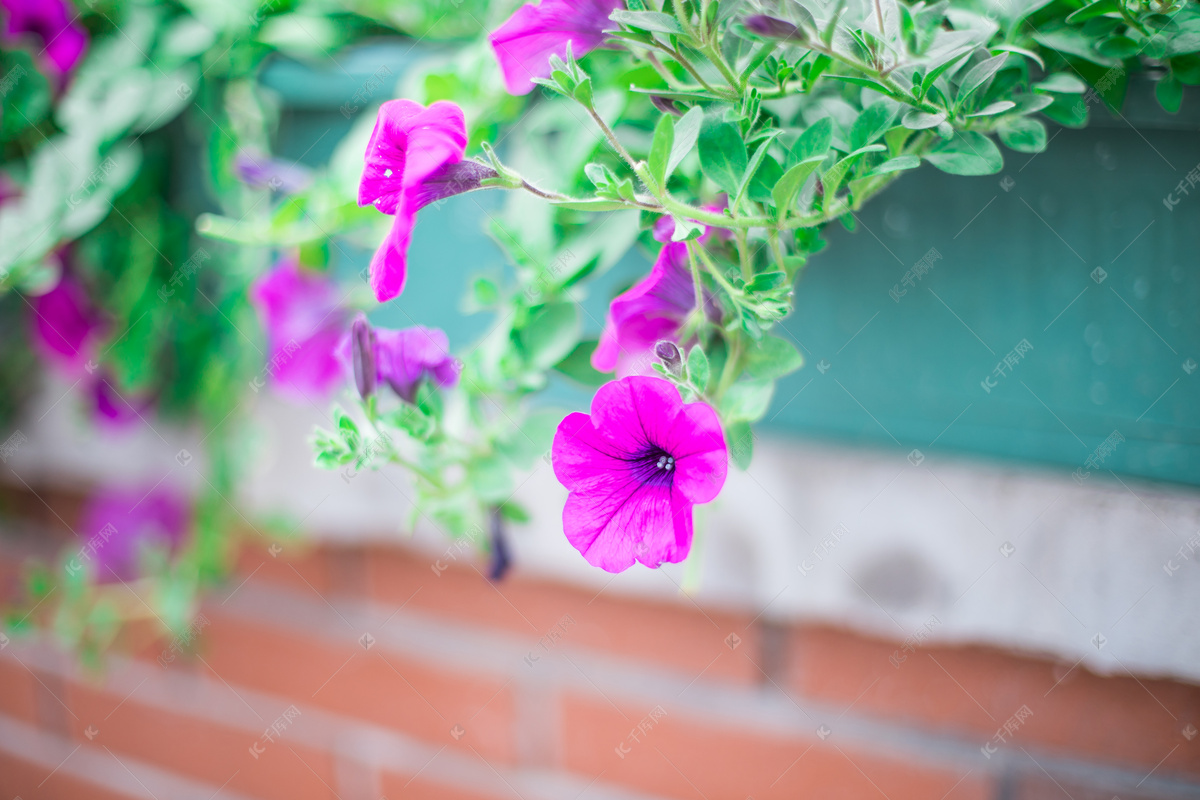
(744, 255)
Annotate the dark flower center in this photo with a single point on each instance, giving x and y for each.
(654, 467)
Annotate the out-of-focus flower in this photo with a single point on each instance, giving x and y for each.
(64, 324)
(653, 309)
(414, 158)
(634, 469)
(264, 172)
(362, 358)
(524, 44)
(54, 22)
(117, 524)
(402, 358)
(305, 322)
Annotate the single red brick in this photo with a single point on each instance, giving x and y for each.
(17, 687)
(370, 684)
(976, 690)
(678, 636)
(216, 754)
(22, 779)
(401, 787)
(680, 756)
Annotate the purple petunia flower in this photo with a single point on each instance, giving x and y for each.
(263, 172)
(414, 158)
(65, 325)
(305, 322)
(52, 21)
(524, 43)
(117, 523)
(653, 309)
(634, 469)
(401, 359)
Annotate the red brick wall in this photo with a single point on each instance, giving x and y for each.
(406, 681)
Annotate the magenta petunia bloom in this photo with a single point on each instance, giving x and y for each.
(65, 325)
(414, 158)
(305, 321)
(653, 309)
(54, 22)
(634, 469)
(116, 524)
(524, 43)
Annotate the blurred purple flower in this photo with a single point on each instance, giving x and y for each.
(52, 21)
(414, 158)
(263, 172)
(64, 323)
(653, 309)
(117, 523)
(304, 321)
(634, 469)
(524, 44)
(402, 359)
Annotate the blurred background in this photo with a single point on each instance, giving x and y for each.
(963, 563)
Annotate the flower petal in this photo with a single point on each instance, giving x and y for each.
(524, 44)
(409, 143)
(635, 413)
(702, 457)
(633, 522)
(389, 265)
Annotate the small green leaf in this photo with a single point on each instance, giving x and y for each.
(747, 401)
(687, 131)
(1061, 83)
(660, 149)
(1169, 92)
(785, 190)
(871, 124)
(1099, 8)
(723, 156)
(550, 335)
(978, 76)
(739, 438)
(697, 368)
(774, 357)
(648, 21)
(813, 142)
(920, 120)
(992, 109)
(968, 153)
(578, 365)
(1023, 134)
(895, 165)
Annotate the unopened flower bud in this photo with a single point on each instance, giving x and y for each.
(669, 355)
(666, 105)
(773, 28)
(362, 340)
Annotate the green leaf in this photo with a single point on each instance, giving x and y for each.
(1067, 110)
(687, 131)
(1061, 83)
(833, 177)
(774, 357)
(1169, 92)
(813, 142)
(920, 120)
(992, 109)
(752, 169)
(979, 75)
(895, 165)
(740, 439)
(1096, 9)
(747, 401)
(764, 180)
(871, 124)
(648, 21)
(660, 149)
(550, 335)
(785, 190)
(1012, 48)
(578, 365)
(723, 156)
(1023, 134)
(968, 153)
(697, 368)
(935, 73)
